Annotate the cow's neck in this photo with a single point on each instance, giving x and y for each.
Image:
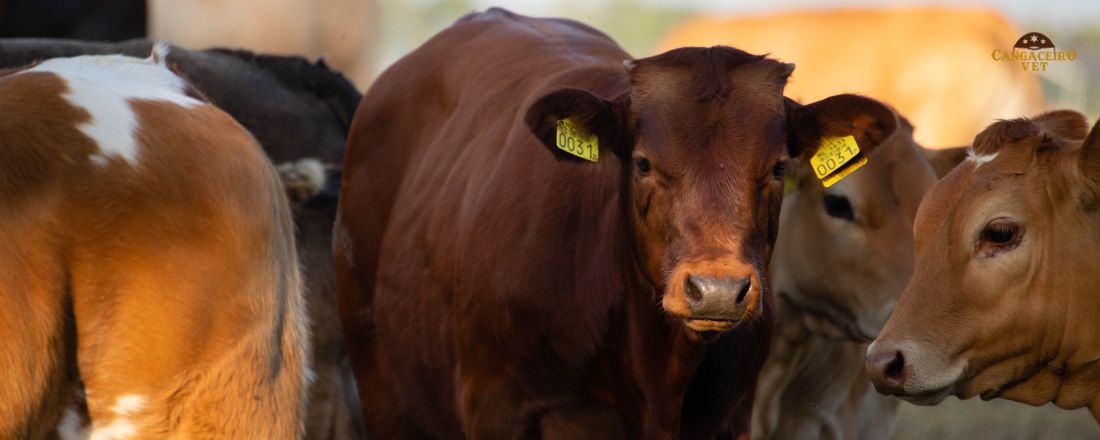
(663, 359)
(1078, 360)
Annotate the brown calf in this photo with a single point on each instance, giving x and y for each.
(1003, 301)
(842, 257)
(148, 263)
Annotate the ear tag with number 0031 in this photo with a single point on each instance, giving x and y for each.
(834, 159)
(574, 140)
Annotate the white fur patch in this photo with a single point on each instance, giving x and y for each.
(104, 85)
(310, 376)
(979, 160)
(303, 179)
(72, 426)
(121, 427)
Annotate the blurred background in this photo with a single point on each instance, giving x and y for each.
(931, 60)
(925, 57)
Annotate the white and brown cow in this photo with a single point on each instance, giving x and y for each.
(1004, 299)
(147, 264)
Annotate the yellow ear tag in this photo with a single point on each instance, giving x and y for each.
(834, 159)
(574, 140)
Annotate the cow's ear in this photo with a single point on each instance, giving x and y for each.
(1062, 125)
(591, 115)
(869, 121)
(944, 160)
(1090, 159)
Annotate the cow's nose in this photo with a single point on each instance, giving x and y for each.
(886, 366)
(717, 298)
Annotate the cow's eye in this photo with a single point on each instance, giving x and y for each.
(642, 164)
(999, 235)
(779, 170)
(839, 207)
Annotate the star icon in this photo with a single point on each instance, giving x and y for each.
(1042, 41)
(1034, 38)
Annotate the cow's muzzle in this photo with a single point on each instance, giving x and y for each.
(910, 371)
(719, 303)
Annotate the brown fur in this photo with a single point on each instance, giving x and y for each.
(175, 280)
(1030, 332)
(493, 286)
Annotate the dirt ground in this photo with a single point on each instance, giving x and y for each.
(995, 419)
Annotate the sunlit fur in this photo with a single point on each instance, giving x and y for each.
(1018, 324)
(165, 288)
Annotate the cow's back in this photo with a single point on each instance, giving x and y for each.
(425, 120)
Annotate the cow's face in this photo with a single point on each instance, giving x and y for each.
(1000, 301)
(702, 140)
(845, 253)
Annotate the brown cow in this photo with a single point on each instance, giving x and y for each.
(1002, 301)
(494, 286)
(148, 264)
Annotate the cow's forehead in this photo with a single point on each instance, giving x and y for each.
(949, 208)
(757, 80)
(673, 112)
(705, 75)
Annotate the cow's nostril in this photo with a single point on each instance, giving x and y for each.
(895, 371)
(743, 291)
(887, 369)
(692, 289)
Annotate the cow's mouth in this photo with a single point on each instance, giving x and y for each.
(926, 398)
(710, 325)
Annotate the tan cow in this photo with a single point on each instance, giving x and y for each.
(343, 31)
(830, 299)
(148, 263)
(920, 60)
(1003, 300)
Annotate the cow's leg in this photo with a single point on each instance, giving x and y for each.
(353, 300)
(333, 404)
(35, 324)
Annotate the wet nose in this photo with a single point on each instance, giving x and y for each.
(886, 366)
(718, 298)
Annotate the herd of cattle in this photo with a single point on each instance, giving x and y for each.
(191, 252)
